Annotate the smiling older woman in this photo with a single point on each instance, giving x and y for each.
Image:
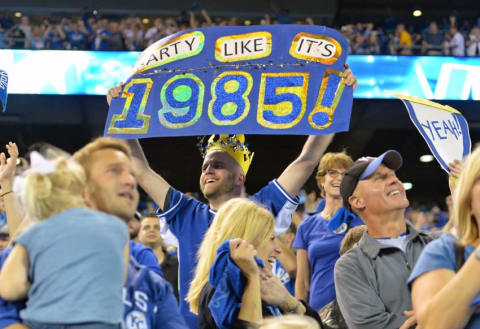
(318, 237)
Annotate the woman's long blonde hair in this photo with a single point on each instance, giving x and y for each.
(46, 195)
(463, 218)
(237, 218)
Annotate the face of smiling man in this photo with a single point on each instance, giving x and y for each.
(221, 176)
(380, 193)
(112, 187)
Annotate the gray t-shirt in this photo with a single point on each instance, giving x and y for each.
(76, 268)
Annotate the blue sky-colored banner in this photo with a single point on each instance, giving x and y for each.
(283, 79)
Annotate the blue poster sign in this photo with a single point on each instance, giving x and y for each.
(284, 79)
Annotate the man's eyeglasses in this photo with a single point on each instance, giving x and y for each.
(335, 173)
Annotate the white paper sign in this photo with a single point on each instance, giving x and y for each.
(444, 129)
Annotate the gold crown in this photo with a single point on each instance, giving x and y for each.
(234, 145)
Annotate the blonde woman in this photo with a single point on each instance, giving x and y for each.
(70, 269)
(318, 237)
(229, 289)
(443, 297)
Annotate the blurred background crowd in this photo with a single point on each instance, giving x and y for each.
(445, 36)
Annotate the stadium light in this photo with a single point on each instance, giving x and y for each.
(426, 158)
(417, 13)
(407, 186)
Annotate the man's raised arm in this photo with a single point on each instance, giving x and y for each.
(296, 174)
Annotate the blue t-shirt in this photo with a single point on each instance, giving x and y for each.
(76, 268)
(99, 43)
(281, 273)
(322, 246)
(189, 219)
(77, 40)
(55, 41)
(440, 254)
(9, 311)
(149, 301)
(145, 256)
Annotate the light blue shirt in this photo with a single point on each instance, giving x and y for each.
(440, 254)
(76, 268)
(400, 242)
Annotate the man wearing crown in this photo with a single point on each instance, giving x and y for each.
(224, 169)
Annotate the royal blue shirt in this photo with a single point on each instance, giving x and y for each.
(149, 301)
(9, 311)
(189, 219)
(145, 256)
(77, 40)
(440, 254)
(322, 246)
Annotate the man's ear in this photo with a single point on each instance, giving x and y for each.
(241, 178)
(88, 198)
(356, 202)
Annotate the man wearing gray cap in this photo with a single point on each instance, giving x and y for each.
(371, 278)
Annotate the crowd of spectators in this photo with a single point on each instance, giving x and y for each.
(438, 38)
(435, 39)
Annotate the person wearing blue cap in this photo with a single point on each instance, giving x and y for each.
(371, 278)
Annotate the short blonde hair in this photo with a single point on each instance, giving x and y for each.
(85, 154)
(463, 219)
(237, 218)
(50, 194)
(329, 161)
